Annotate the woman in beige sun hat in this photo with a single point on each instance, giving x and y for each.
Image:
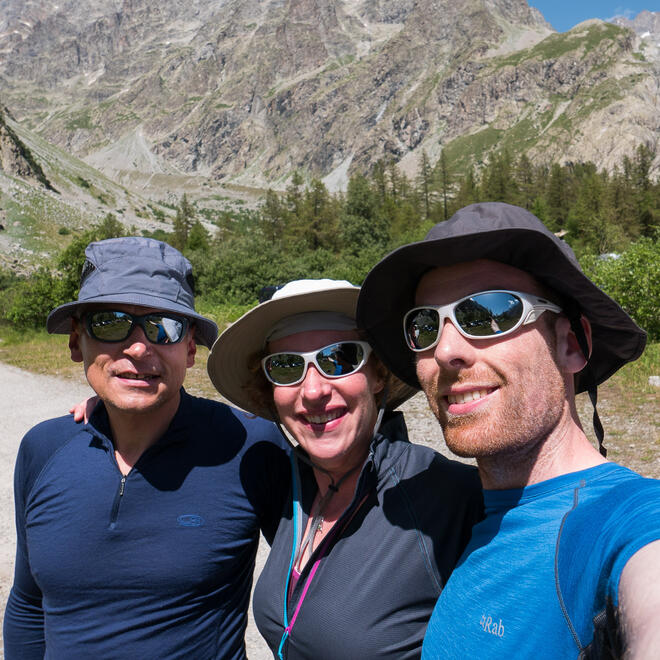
(374, 524)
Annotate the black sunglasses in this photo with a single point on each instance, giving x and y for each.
(482, 315)
(333, 361)
(109, 325)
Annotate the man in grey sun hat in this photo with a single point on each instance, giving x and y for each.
(137, 531)
(493, 318)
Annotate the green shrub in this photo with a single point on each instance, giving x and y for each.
(633, 280)
(29, 300)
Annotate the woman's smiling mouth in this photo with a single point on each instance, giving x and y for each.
(323, 418)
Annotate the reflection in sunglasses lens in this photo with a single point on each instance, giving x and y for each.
(163, 329)
(423, 328)
(340, 359)
(109, 326)
(488, 314)
(474, 318)
(285, 368)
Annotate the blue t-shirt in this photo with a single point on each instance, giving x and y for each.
(543, 564)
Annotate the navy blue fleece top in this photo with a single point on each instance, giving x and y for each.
(154, 565)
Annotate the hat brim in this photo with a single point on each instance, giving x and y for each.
(388, 293)
(228, 363)
(59, 320)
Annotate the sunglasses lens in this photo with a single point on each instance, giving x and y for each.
(163, 329)
(110, 326)
(422, 326)
(340, 359)
(285, 368)
(488, 314)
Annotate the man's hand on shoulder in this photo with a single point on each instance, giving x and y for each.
(639, 603)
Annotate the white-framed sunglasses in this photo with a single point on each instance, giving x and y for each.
(481, 315)
(333, 361)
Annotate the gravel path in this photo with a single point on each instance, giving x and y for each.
(29, 398)
(26, 400)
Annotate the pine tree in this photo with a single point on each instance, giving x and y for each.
(524, 173)
(556, 198)
(183, 222)
(647, 219)
(362, 223)
(468, 192)
(274, 215)
(444, 180)
(425, 183)
(319, 215)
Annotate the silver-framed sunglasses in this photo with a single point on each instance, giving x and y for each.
(332, 361)
(481, 315)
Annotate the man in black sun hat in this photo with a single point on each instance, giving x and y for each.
(137, 531)
(493, 318)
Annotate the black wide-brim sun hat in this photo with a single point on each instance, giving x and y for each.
(508, 234)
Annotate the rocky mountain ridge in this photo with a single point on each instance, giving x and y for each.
(645, 24)
(17, 159)
(249, 91)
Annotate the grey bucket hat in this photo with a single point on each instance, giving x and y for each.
(511, 235)
(229, 361)
(135, 271)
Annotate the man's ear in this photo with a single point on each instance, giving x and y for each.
(192, 350)
(74, 341)
(569, 354)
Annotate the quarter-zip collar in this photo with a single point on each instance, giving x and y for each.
(178, 431)
(375, 469)
(99, 427)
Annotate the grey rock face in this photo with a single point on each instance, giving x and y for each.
(251, 90)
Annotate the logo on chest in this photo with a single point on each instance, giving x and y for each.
(492, 627)
(190, 520)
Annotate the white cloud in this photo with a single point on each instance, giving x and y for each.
(622, 12)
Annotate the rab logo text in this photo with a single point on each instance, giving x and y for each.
(492, 627)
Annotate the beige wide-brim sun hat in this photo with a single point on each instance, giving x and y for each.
(229, 361)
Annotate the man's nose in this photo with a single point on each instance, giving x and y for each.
(453, 350)
(137, 344)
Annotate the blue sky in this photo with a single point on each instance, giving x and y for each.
(564, 14)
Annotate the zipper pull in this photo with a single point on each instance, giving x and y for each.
(122, 484)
